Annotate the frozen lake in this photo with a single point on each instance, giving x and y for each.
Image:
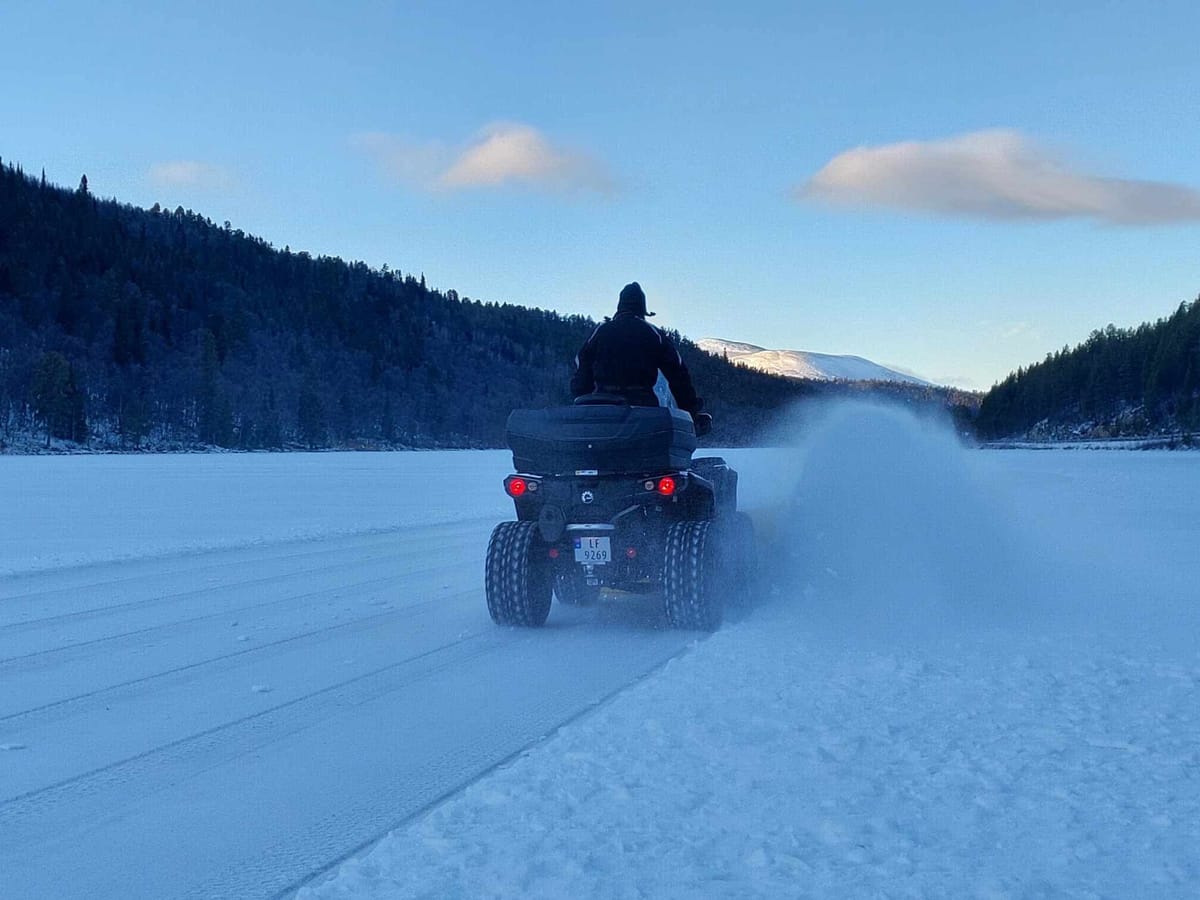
(972, 674)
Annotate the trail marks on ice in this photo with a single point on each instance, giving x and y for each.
(970, 681)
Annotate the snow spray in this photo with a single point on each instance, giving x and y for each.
(889, 528)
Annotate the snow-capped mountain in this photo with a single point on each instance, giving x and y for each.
(803, 364)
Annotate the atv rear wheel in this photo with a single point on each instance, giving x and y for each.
(518, 581)
(572, 589)
(693, 589)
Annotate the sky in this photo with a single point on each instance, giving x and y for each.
(953, 189)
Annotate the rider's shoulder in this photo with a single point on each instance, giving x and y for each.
(653, 329)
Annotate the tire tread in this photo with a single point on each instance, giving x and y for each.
(517, 585)
(692, 592)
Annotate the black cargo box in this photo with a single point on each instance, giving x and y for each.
(604, 439)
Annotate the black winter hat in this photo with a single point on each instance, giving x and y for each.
(633, 300)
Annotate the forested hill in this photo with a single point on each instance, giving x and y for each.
(1120, 381)
(125, 327)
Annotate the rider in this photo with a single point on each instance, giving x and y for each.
(624, 355)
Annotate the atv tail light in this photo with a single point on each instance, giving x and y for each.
(516, 486)
(553, 553)
(666, 486)
(631, 552)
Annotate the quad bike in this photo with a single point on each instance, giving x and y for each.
(608, 496)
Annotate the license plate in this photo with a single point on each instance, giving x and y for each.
(595, 551)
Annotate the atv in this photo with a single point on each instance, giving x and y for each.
(608, 497)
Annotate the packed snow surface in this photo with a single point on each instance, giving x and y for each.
(977, 676)
(804, 363)
(61, 510)
(968, 674)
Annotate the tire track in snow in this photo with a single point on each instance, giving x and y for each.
(20, 815)
(380, 736)
(157, 600)
(324, 867)
(395, 543)
(140, 633)
(231, 600)
(170, 566)
(405, 612)
(167, 564)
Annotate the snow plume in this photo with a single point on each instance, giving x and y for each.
(994, 174)
(890, 530)
(893, 529)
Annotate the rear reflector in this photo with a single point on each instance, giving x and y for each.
(666, 486)
(515, 487)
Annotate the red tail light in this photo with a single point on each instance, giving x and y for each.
(666, 486)
(516, 487)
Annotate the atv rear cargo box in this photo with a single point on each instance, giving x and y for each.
(604, 439)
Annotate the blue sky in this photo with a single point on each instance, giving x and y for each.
(952, 188)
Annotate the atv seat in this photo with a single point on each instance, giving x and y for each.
(604, 438)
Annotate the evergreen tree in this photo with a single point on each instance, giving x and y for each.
(1118, 381)
(270, 432)
(214, 418)
(178, 331)
(310, 417)
(56, 399)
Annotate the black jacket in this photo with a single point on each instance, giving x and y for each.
(624, 356)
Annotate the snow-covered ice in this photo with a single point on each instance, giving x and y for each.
(71, 510)
(978, 677)
(63, 510)
(972, 674)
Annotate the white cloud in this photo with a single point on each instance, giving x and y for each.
(517, 153)
(187, 173)
(995, 174)
(502, 154)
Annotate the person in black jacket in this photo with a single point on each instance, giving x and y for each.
(625, 354)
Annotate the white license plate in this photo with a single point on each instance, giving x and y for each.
(594, 551)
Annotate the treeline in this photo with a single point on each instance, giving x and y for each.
(129, 328)
(1120, 381)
